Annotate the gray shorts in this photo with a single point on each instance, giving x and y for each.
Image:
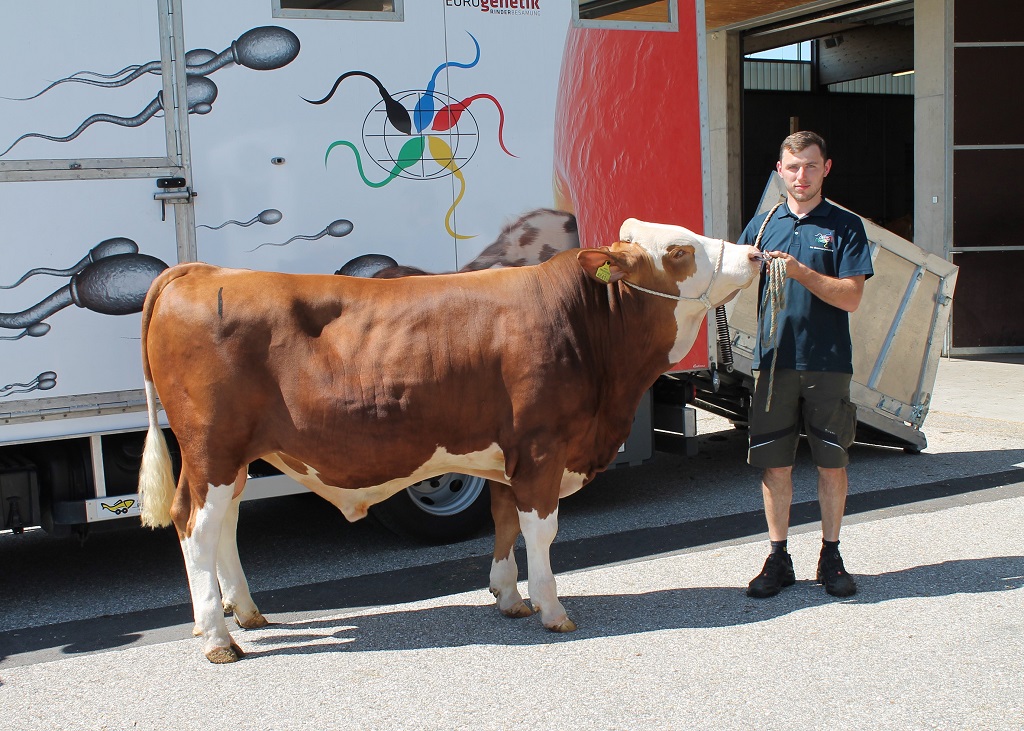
(818, 403)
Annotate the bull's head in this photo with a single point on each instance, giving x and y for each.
(674, 263)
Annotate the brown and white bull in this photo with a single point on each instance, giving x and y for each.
(357, 388)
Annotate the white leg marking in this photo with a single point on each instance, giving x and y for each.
(233, 586)
(504, 586)
(539, 533)
(200, 552)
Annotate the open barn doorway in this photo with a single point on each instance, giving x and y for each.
(847, 74)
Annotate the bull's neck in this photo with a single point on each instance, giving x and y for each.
(627, 335)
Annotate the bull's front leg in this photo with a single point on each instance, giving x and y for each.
(504, 571)
(539, 533)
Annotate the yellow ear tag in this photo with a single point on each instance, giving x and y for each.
(604, 272)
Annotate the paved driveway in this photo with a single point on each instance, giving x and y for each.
(652, 561)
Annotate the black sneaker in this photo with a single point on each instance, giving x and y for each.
(777, 573)
(832, 574)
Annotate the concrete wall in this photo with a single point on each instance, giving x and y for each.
(725, 86)
(933, 123)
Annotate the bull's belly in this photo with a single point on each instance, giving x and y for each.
(488, 463)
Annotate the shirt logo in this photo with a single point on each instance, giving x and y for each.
(825, 240)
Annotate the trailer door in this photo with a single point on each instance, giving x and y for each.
(94, 201)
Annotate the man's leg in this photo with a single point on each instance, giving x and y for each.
(773, 442)
(832, 487)
(777, 488)
(831, 422)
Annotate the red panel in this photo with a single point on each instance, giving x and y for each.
(627, 129)
(627, 135)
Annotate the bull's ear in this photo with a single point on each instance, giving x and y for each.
(601, 265)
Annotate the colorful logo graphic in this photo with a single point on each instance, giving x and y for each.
(825, 240)
(420, 134)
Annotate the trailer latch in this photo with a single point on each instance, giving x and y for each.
(173, 191)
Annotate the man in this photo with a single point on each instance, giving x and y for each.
(827, 262)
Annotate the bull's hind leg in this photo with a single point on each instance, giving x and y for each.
(504, 571)
(200, 547)
(234, 588)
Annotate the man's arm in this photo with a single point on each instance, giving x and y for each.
(844, 293)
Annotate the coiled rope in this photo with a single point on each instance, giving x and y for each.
(774, 295)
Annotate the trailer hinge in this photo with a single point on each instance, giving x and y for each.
(891, 406)
(744, 341)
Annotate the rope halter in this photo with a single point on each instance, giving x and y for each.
(704, 298)
(775, 296)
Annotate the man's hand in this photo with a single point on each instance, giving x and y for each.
(845, 293)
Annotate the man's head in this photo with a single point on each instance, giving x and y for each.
(803, 164)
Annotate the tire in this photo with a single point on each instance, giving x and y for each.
(444, 509)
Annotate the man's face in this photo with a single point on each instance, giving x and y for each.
(803, 172)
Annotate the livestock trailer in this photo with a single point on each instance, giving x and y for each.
(286, 135)
(325, 136)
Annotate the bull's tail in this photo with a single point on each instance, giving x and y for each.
(156, 476)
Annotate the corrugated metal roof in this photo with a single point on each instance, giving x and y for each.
(777, 75)
(796, 76)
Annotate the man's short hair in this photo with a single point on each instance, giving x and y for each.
(799, 141)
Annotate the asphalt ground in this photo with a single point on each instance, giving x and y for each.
(651, 564)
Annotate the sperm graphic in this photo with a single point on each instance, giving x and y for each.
(43, 382)
(424, 111)
(425, 116)
(261, 49)
(268, 217)
(449, 115)
(108, 247)
(443, 155)
(113, 285)
(410, 154)
(397, 114)
(337, 229)
(366, 265)
(200, 95)
(35, 330)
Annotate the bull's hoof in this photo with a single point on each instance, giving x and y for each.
(223, 655)
(566, 625)
(518, 610)
(254, 622)
(196, 632)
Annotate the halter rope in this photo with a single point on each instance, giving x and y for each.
(774, 294)
(703, 299)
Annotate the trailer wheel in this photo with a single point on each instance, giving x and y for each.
(444, 509)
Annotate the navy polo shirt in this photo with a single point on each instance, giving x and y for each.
(812, 335)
